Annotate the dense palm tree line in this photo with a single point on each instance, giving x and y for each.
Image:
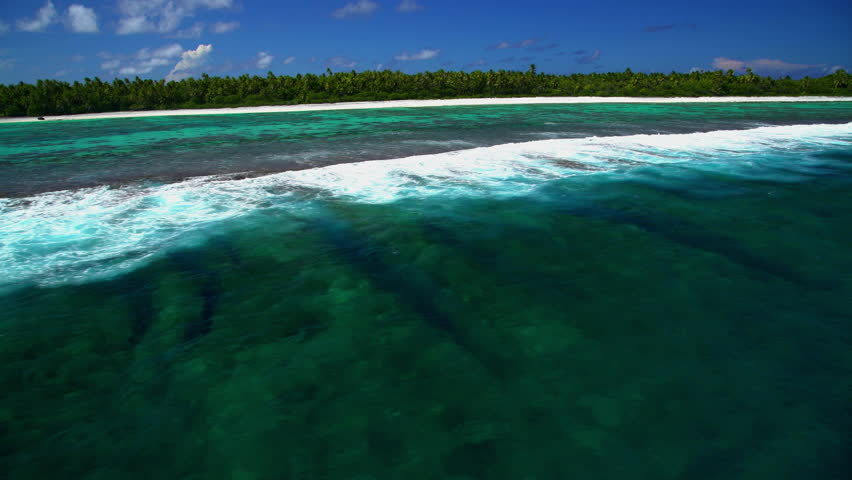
(53, 97)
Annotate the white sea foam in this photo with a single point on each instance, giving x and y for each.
(74, 236)
(440, 143)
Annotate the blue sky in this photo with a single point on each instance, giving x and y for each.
(173, 39)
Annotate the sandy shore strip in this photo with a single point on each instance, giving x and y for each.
(423, 103)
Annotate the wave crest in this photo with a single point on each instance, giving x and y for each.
(78, 235)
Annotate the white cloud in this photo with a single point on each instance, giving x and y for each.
(81, 19)
(171, 17)
(529, 42)
(190, 61)
(584, 59)
(424, 54)
(264, 60)
(44, 17)
(194, 31)
(134, 70)
(168, 51)
(4, 27)
(289, 60)
(78, 58)
(130, 25)
(225, 27)
(163, 16)
(723, 63)
(767, 64)
(408, 6)
(111, 64)
(361, 7)
(5, 62)
(763, 65)
(143, 61)
(340, 62)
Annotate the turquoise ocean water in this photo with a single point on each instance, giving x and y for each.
(510, 292)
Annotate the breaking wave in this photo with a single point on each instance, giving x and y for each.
(79, 235)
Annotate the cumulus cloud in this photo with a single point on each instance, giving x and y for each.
(289, 60)
(44, 17)
(225, 27)
(162, 16)
(425, 54)
(408, 6)
(340, 62)
(584, 59)
(361, 7)
(190, 62)
(81, 19)
(143, 61)
(264, 60)
(763, 65)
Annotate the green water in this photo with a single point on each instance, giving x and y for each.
(650, 320)
(48, 156)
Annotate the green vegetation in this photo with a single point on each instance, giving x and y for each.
(52, 97)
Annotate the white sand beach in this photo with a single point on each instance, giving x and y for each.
(423, 103)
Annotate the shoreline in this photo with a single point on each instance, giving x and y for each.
(316, 107)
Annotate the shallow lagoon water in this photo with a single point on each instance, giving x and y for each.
(672, 305)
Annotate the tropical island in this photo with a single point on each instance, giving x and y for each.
(54, 97)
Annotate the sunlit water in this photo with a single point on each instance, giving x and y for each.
(518, 292)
